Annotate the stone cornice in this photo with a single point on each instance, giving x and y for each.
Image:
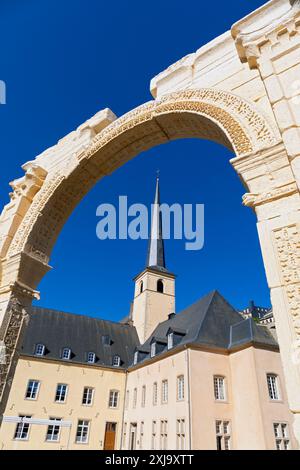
(256, 199)
(255, 29)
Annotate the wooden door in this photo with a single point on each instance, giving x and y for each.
(110, 436)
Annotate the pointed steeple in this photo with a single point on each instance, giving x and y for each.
(156, 250)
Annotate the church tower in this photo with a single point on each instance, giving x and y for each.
(154, 297)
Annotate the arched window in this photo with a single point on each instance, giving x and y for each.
(160, 286)
(141, 287)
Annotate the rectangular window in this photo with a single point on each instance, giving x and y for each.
(143, 396)
(155, 394)
(164, 394)
(82, 433)
(281, 433)
(170, 340)
(88, 394)
(53, 430)
(142, 435)
(223, 435)
(61, 393)
(272, 381)
(219, 387)
(164, 434)
(180, 434)
(127, 400)
(32, 390)
(22, 429)
(153, 349)
(134, 398)
(180, 387)
(153, 437)
(124, 435)
(113, 399)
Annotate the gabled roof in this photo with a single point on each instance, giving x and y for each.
(212, 322)
(82, 334)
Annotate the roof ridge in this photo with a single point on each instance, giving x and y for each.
(212, 294)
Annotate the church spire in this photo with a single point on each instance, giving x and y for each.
(156, 251)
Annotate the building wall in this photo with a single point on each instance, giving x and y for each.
(76, 377)
(169, 369)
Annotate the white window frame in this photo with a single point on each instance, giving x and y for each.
(219, 387)
(116, 361)
(134, 401)
(39, 349)
(64, 356)
(60, 393)
(135, 357)
(223, 430)
(113, 401)
(88, 395)
(34, 381)
(180, 433)
(273, 387)
(82, 425)
(153, 435)
(164, 391)
(180, 387)
(20, 429)
(170, 340)
(91, 357)
(127, 396)
(52, 433)
(141, 435)
(282, 436)
(163, 434)
(153, 349)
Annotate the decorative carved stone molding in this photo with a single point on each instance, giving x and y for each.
(257, 199)
(264, 27)
(287, 242)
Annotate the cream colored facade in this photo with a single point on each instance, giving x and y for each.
(76, 377)
(247, 406)
(242, 91)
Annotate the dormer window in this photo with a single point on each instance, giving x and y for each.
(91, 358)
(39, 349)
(116, 361)
(153, 349)
(170, 340)
(66, 354)
(135, 357)
(106, 340)
(160, 286)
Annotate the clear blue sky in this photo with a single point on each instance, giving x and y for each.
(64, 61)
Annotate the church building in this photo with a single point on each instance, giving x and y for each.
(205, 378)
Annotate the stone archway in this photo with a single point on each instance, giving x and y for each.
(58, 179)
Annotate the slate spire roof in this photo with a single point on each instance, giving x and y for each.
(156, 250)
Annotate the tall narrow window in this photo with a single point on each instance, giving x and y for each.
(116, 361)
(134, 398)
(91, 357)
(164, 434)
(82, 433)
(164, 394)
(155, 394)
(219, 387)
(22, 429)
(135, 357)
(153, 438)
(223, 436)
(160, 286)
(124, 435)
(127, 400)
(61, 393)
(170, 340)
(113, 399)
(141, 287)
(180, 387)
(32, 390)
(272, 381)
(180, 434)
(143, 402)
(153, 349)
(142, 435)
(53, 430)
(87, 397)
(281, 433)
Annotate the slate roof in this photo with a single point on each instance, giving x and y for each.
(82, 334)
(212, 323)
